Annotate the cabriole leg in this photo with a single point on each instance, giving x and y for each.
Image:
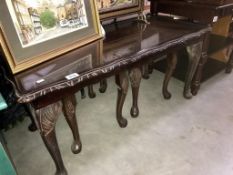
(194, 52)
(83, 94)
(171, 65)
(47, 118)
(196, 82)
(103, 86)
(135, 75)
(69, 110)
(91, 92)
(123, 84)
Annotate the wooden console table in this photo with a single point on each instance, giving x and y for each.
(50, 87)
(191, 9)
(203, 13)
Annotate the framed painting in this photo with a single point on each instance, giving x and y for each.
(34, 31)
(115, 8)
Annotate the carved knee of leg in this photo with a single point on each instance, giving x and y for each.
(47, 118)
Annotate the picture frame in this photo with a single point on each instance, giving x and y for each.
(34, 31)
(115, 8)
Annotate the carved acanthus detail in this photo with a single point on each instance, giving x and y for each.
(47, 117)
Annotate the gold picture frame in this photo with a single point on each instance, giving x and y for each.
(34, 31)
(115, 8)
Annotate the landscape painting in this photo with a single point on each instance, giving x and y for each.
(37, 21)
(35, 31)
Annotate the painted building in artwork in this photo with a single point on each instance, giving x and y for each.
(26, 31)
(35, 18)
(81, 13)
(70, 10)
(27, 19)
(104, 3)
(109, 3)
(47, 4)
(61, 12)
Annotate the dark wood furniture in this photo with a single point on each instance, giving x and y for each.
(207, 12)
(213, 2)
(128, 45)
(218, 43)
(192, 9)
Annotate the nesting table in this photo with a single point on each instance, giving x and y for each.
(203, 12)
(50, 88)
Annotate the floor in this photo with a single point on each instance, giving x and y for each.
(175, 137)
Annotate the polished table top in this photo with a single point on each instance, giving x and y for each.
(202, 12)
(126, 43)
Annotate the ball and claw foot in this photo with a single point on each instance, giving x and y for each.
(188, 95)
(32, 127)
(134, 112)
(123, 123)
(167, 95)
(103, 89)
(83, 96)
(76, 148)
(194, 92)
(92, 95)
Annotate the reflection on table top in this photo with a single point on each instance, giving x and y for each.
(203, 11)
(126, 42)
